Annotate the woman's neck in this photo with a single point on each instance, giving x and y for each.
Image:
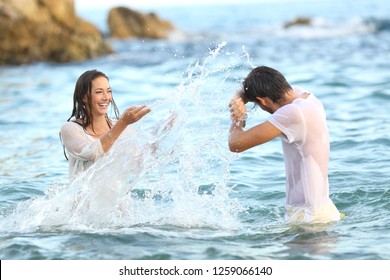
(98, 127)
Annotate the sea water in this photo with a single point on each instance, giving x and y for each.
(173, 190)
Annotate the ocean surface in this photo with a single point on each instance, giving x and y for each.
(176, 192)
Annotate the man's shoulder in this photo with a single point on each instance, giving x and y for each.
(287, 115)
(287, 109)
(300, 90)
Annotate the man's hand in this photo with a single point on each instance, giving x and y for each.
(237, 109)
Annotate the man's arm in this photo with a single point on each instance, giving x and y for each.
(240, 140)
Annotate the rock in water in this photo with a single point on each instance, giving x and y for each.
(46, 30)
(127, 23)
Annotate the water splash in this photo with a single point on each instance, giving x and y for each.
(170, 172)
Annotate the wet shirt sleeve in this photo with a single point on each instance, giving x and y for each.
(78, 145)
(289, 120)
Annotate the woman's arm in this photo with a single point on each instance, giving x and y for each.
(131, 115)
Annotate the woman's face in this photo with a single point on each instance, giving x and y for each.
(101, 96)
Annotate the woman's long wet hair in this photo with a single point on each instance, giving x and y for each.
(83, 88)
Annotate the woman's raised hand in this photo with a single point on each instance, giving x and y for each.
(134, 113)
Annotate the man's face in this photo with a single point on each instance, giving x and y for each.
(266, 104)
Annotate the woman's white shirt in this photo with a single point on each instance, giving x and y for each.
(81, 148)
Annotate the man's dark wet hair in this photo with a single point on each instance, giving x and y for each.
(265, 81)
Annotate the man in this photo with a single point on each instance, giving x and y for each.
(299, 119)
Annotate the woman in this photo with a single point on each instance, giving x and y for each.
(89, 133)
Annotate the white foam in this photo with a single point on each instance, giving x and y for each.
(325, 28)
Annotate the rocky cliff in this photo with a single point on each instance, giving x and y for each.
(127, 23)
(46, 30)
